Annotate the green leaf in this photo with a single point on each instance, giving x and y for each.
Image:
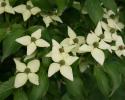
(102, 81)
(39, 91)
(43, 4)
(110, 4)
(9, 44)
(94, 9)
(6, 88)
(112, 69)
(19, 94)
(66, 97)
(61, 4)
(2, 33)
(75, 89)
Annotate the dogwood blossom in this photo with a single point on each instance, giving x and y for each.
(62, 62)
(74, 40)
(6, 7)
(27, 10)
(49, 19)
(93, 47)
(119, 47)
(26, 72)
(96, 43)
(33, 41)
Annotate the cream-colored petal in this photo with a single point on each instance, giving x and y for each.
(20, 67)
(1, 10)
(56, 55)
(71, 33)
(92, 38)
(47, 20)
(53, 68)
(65, 42)
(34, 65)
(68, 48)
(66, 71)
(98, 29)
(24, 40)
(98, 55)
(36, 34)
(56, 18)
(105, 46)
(119, 41)
(20, 80)
(105, 26)
(33, 78)
(85, 48)
(26, 15)
(29, 3)
(107, 36)
(69, 60)
(35, 10)
(119, 53)
(81, 39)
(9, 9)
(31, 48)
(20, 9)
(42, 43)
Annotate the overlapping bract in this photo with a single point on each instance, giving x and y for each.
(64, 54)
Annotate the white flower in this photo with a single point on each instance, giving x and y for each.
(27, 10)
(62, 62)
(26, 72)
(6, 7)
(73, 39)
(93, 46)
(33, 41)
(49, 19)
(119, 47)
(108, 13)
(106, 35)
(59, 49)
(115, 24)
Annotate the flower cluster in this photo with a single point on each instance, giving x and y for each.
(27, 10)
(104, 37)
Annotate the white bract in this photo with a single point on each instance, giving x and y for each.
(96, 43)
(49, 19)
(33, 41)
(108, 13)
(27, 10)
(115, 24)
(119, 47)
(62, 62)
(26, 72)
(6, 7)
(74, 40)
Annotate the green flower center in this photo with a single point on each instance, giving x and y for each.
(112, 30)
(28, 7)
(27, 70)
(61, 50)
(3, 4)
(96, 44)
(121, 47)
(62, 62)
(102, 36)
(33, 39)
(112, 16)
(76, 40)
